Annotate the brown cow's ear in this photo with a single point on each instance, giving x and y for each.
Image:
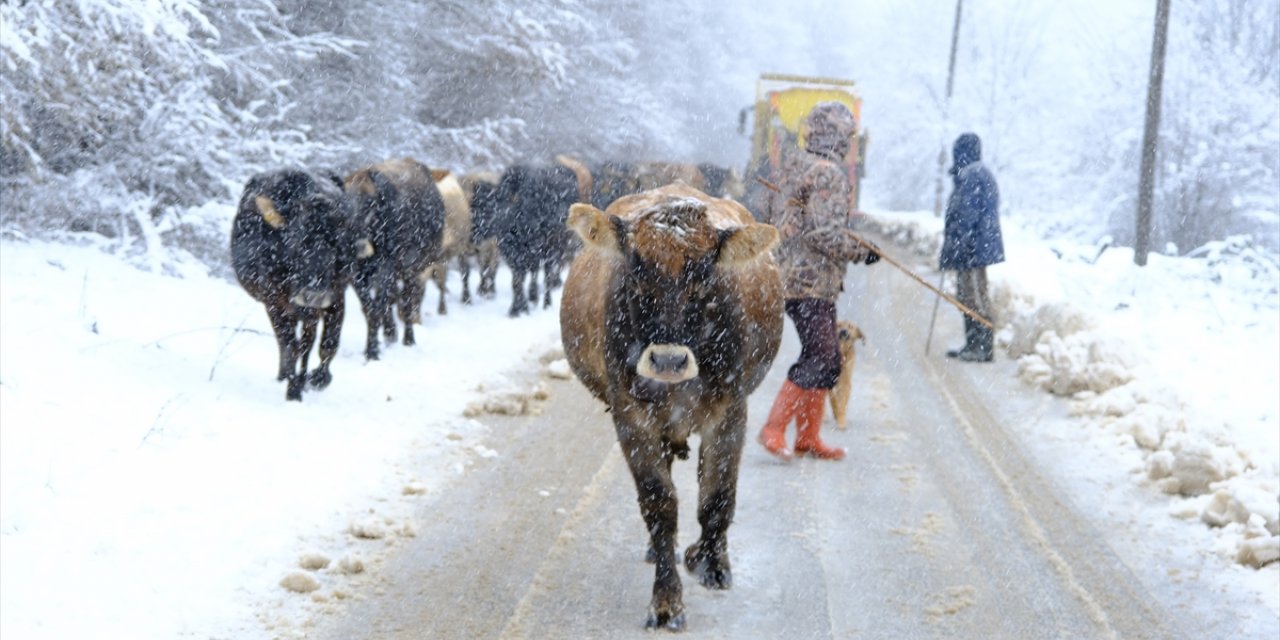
(593, 226)
(269, 214)
(745, 244)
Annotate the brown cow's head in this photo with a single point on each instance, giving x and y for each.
(672, 287)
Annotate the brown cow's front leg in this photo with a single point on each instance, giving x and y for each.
(333, 317)
(656, 494)
(718, 459)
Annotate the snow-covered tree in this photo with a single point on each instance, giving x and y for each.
(165, 102)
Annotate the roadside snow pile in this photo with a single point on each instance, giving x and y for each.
(145, 441)
(1178, 357)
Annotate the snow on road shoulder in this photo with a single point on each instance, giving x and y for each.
(154, 480)
(1178, 358)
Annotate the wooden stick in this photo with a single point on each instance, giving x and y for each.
(933, 319)
(876, 250)
(959, 305)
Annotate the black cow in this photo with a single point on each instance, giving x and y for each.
(611, 180)
(482, 190)
(402, 213)
(721, 182)
(531, 205)
(294, 246)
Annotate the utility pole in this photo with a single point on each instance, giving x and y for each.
(1150, 135)
(946, 112)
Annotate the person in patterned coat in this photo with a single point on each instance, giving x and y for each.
(815, 251)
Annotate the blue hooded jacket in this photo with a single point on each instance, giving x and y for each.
(971, 238)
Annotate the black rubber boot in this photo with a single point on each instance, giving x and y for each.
(969, 339)
(982, 347)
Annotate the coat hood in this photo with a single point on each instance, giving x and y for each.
(967, 150)
(830, 130)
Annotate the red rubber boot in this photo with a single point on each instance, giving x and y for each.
(789, 404)
(809, 423)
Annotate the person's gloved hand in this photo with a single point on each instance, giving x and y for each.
(873, 256)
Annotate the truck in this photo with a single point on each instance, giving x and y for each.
(782, 104)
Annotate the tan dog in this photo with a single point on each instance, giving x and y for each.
(846, 333)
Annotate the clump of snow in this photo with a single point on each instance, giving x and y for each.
(368, 528)
(1025, 330)
(1177, 358)
(414, 489)
(1079, 362)
(313, 561)
(349, 565)
(1257, 548)
(559, 369)
(300, 582)
(520, 402)
(1194, 464)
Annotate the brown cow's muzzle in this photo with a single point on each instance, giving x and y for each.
(313, 298)
(669, 363)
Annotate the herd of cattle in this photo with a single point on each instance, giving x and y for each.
(300, 237)
(671, 314)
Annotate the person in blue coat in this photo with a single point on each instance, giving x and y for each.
(972, 242)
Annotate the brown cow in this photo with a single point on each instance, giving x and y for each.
(457, 238)
(672, 315)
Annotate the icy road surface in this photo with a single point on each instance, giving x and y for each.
(939, 524)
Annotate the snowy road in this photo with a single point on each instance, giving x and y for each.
(937, 525)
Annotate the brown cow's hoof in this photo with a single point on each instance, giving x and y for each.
(665, 620)
(711, 572)
(295, 388)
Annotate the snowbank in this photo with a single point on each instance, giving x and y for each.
(154, 480)
(1178, 357)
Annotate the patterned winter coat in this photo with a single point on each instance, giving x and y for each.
(815, 247)
(971, 236)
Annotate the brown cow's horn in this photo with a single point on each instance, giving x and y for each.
(269, 213)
